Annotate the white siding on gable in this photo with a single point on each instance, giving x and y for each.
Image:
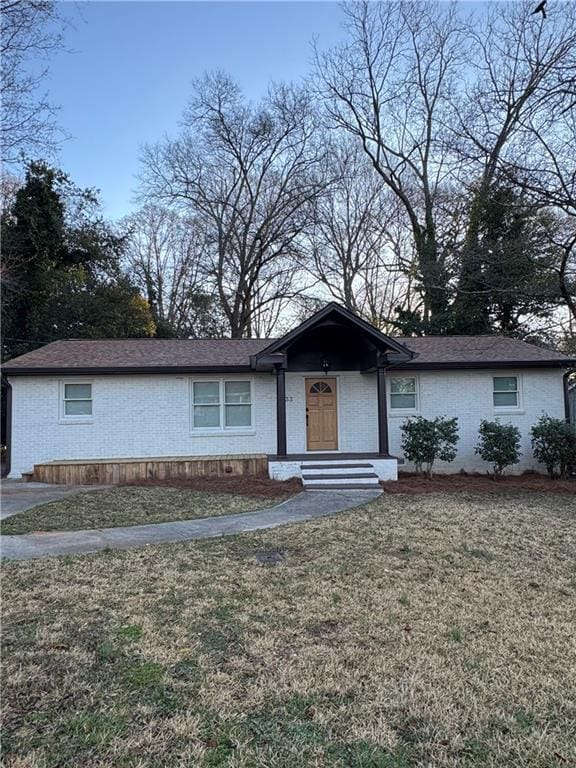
(150, 416)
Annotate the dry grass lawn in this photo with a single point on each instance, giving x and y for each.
(129, 506)
(433, 630)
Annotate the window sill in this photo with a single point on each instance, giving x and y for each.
(402, 414)
(509, 411)
(221, 432)
(76, 421)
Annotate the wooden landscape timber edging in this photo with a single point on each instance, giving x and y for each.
(114, 471)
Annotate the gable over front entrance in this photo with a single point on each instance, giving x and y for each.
(332, 340)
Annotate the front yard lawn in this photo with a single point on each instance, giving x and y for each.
(129, 506)
(432, 630)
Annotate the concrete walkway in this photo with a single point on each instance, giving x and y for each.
(18, 496)
(304, 506)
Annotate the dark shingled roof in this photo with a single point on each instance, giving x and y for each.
(150, 354)
(476, 349)
(140, 353)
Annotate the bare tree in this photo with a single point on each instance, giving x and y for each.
(273, 299)
(522, 83)
(9, 186)
(357, 249)
(547, 174)
(165, 257)
(522, 88)
(562, 236)
(30, 31)
(391, 86)
(441, 104)
(249, 174)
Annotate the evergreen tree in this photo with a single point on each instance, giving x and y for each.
(61, 275)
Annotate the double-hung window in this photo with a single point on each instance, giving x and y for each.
(403, 394)
(237, 404)
(76, 400)
(505, 392)
(207, 405)
(218, 405)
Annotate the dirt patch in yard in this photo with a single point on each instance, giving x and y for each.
(410, 482)
(240, 485)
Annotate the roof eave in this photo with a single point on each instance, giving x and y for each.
(567, 363)
(483, 365)
(119, 370)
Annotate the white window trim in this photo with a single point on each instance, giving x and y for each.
(504, 409)
(221, 430)
(63, 418)
(400, 413)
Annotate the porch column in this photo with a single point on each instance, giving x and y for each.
(383, 448)
(281, 411)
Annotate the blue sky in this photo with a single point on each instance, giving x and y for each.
(128, 78)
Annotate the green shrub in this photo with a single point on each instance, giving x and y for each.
(554, 444)
(425, 440)
(499, 444)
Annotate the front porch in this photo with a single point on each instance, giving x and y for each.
(331, 400)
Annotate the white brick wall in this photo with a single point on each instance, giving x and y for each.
(138, 416)
(133, 416)
(357, 411)
(468, 395)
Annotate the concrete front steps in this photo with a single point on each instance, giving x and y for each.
(339, 476)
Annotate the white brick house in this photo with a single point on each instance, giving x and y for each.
(330, 393)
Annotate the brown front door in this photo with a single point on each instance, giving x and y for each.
(321, 415)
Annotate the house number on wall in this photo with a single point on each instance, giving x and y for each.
(289, 399)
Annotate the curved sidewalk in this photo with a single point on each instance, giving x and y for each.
(18, 496)
(304, 506)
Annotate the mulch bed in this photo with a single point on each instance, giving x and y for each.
(409, 482)
(242, 485)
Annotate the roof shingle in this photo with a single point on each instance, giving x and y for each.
(150, 354)
(476, 349)
(140, 353)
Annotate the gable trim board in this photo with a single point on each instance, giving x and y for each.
(144, 409)
(322, 316)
